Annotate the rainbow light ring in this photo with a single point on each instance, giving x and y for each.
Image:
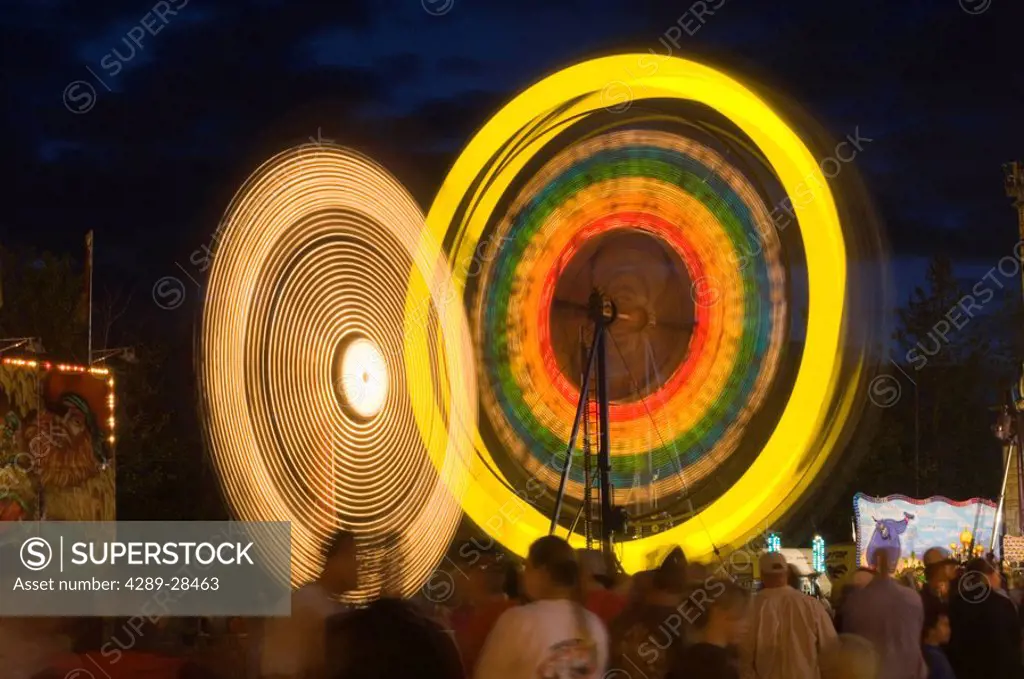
(322, 408)
(805, 435)
(689, 197)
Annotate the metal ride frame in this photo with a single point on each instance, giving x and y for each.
(1009, 426)
(602, 313)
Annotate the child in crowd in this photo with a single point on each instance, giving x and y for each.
(936, 635)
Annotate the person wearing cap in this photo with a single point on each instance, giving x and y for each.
(788, 630)
(939, 571)
(891, 617)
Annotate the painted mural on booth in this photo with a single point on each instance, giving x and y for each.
(906, 527)
(56, 444)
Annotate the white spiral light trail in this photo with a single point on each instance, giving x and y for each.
(335, 367)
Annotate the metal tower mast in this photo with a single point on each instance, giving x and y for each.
(1012, 493)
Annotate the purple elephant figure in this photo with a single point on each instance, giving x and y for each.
(887, 536)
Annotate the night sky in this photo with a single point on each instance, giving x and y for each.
(146, 141)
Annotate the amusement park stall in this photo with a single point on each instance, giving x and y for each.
(57, 442)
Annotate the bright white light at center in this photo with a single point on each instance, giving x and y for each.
(364, 377)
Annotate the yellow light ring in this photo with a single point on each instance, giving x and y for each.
(310, 381)
(803, 438)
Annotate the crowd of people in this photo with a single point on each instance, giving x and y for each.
(565, 616)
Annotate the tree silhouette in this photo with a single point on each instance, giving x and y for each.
(159, 458)
(952, 366)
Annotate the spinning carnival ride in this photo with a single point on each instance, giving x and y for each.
(695, 213)
(329, 400)
(654, 220)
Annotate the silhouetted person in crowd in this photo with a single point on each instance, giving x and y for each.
(697, 573)
(623, 586)
(389, 639)
(719, 610)
(513, 586)
(598, 597)
(484, 603)
(861, 577)
(28, 645)
(793, 578)
(852, 657)
(643, 583)
(553, 635)
(650, 635)
(293, 646)
(985, 638)
(891, 617)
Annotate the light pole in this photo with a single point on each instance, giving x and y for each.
(917, 441)
(917, 430)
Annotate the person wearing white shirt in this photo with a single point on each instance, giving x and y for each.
(554, 637)
(788, 631)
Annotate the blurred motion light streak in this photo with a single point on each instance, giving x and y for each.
(472, 199)
(325, 404)
(687, 196)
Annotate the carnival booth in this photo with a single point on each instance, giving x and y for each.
(1013, 560)
(57, 443)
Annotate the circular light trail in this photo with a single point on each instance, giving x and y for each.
(687, 196)
(601, 183)
(335, 371)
